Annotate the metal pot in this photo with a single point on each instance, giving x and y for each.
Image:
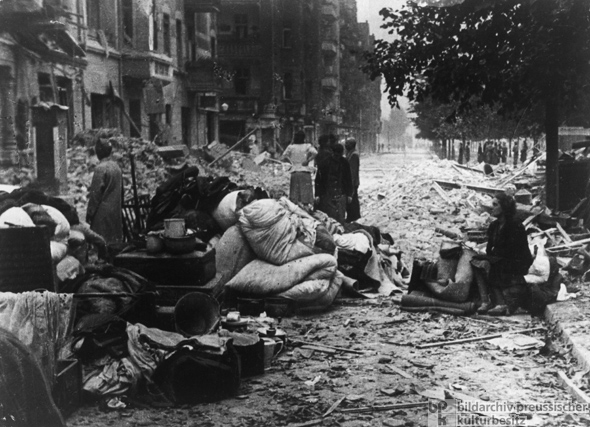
(180, 245)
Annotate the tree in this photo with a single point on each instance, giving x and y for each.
(518, 54)
(395, 126)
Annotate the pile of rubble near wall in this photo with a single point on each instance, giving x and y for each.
(154, 164)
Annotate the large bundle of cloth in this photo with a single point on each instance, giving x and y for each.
(277, 235)
(265, 279)
(311, 282)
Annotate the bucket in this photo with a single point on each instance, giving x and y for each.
(174, 227)
(196, 313)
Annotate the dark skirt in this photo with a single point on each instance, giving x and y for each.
(496, 271)
(301, 189)
(353, 209)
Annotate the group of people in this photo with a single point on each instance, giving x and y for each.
(337, 176)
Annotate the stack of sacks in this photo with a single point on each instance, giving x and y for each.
(281, 237)
(68, 263)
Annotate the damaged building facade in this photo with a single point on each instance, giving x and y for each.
(179, 72)
(294, 66)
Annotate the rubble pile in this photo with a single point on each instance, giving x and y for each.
(151, 169)
(411, 205)
(16, 176)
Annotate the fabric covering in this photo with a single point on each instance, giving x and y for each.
(353, 241)
(25, 395)
(232, 253)
(264, 279)
(272, 232)
(41, 321)
(539, 270)
(225, 213)
(15, 216)
(315, 294)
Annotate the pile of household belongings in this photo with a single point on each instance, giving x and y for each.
(448, 285)
(268, 248)
(273, 248)
(70, 237)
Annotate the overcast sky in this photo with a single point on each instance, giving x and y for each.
(368, 10)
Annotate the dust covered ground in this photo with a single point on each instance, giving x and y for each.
(306, 387)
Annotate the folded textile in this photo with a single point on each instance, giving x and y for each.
(419, 299)
(265, 279)
(41, 321)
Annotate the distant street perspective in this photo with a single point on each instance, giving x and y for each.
(338, 213)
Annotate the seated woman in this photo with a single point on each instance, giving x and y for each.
(507, 258)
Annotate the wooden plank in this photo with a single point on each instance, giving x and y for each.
(400, 372)
(386, 407)
(330, 347)
(320, 349)
(517, 174)
(566, 236)
(569, 245)
(481, 189)
(441, 193)
(480, 338)
(307, 424)
(334, 406)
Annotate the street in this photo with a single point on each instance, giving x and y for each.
(386, 367)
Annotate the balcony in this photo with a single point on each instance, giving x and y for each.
(201, 76)
(147, 65)
(202, 6)
(292, 108)
(241, 105)
(330, 12)
(237, 49)
(330, 83)
(330, 48)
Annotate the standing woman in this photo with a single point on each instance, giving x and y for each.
(353, 209)
(507, 258)
(300, 154)
(105, 196)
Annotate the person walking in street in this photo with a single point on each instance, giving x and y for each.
(507, 257)
(105, 196)
(300, 154)
(503, 152)
(353, 209)
(331, 195)
(523, 152)
(515, 154)
(467, 153)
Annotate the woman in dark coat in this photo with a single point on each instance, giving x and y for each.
(105, 196)
(507, 258)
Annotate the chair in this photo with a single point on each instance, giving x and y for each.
(134, 217)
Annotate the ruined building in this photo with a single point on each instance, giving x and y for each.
(179, 72)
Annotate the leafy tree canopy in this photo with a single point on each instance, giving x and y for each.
(516, 54)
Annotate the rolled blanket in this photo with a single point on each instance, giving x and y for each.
(265, 279)
(419, 299)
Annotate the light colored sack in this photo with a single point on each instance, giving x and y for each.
(540, 268)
